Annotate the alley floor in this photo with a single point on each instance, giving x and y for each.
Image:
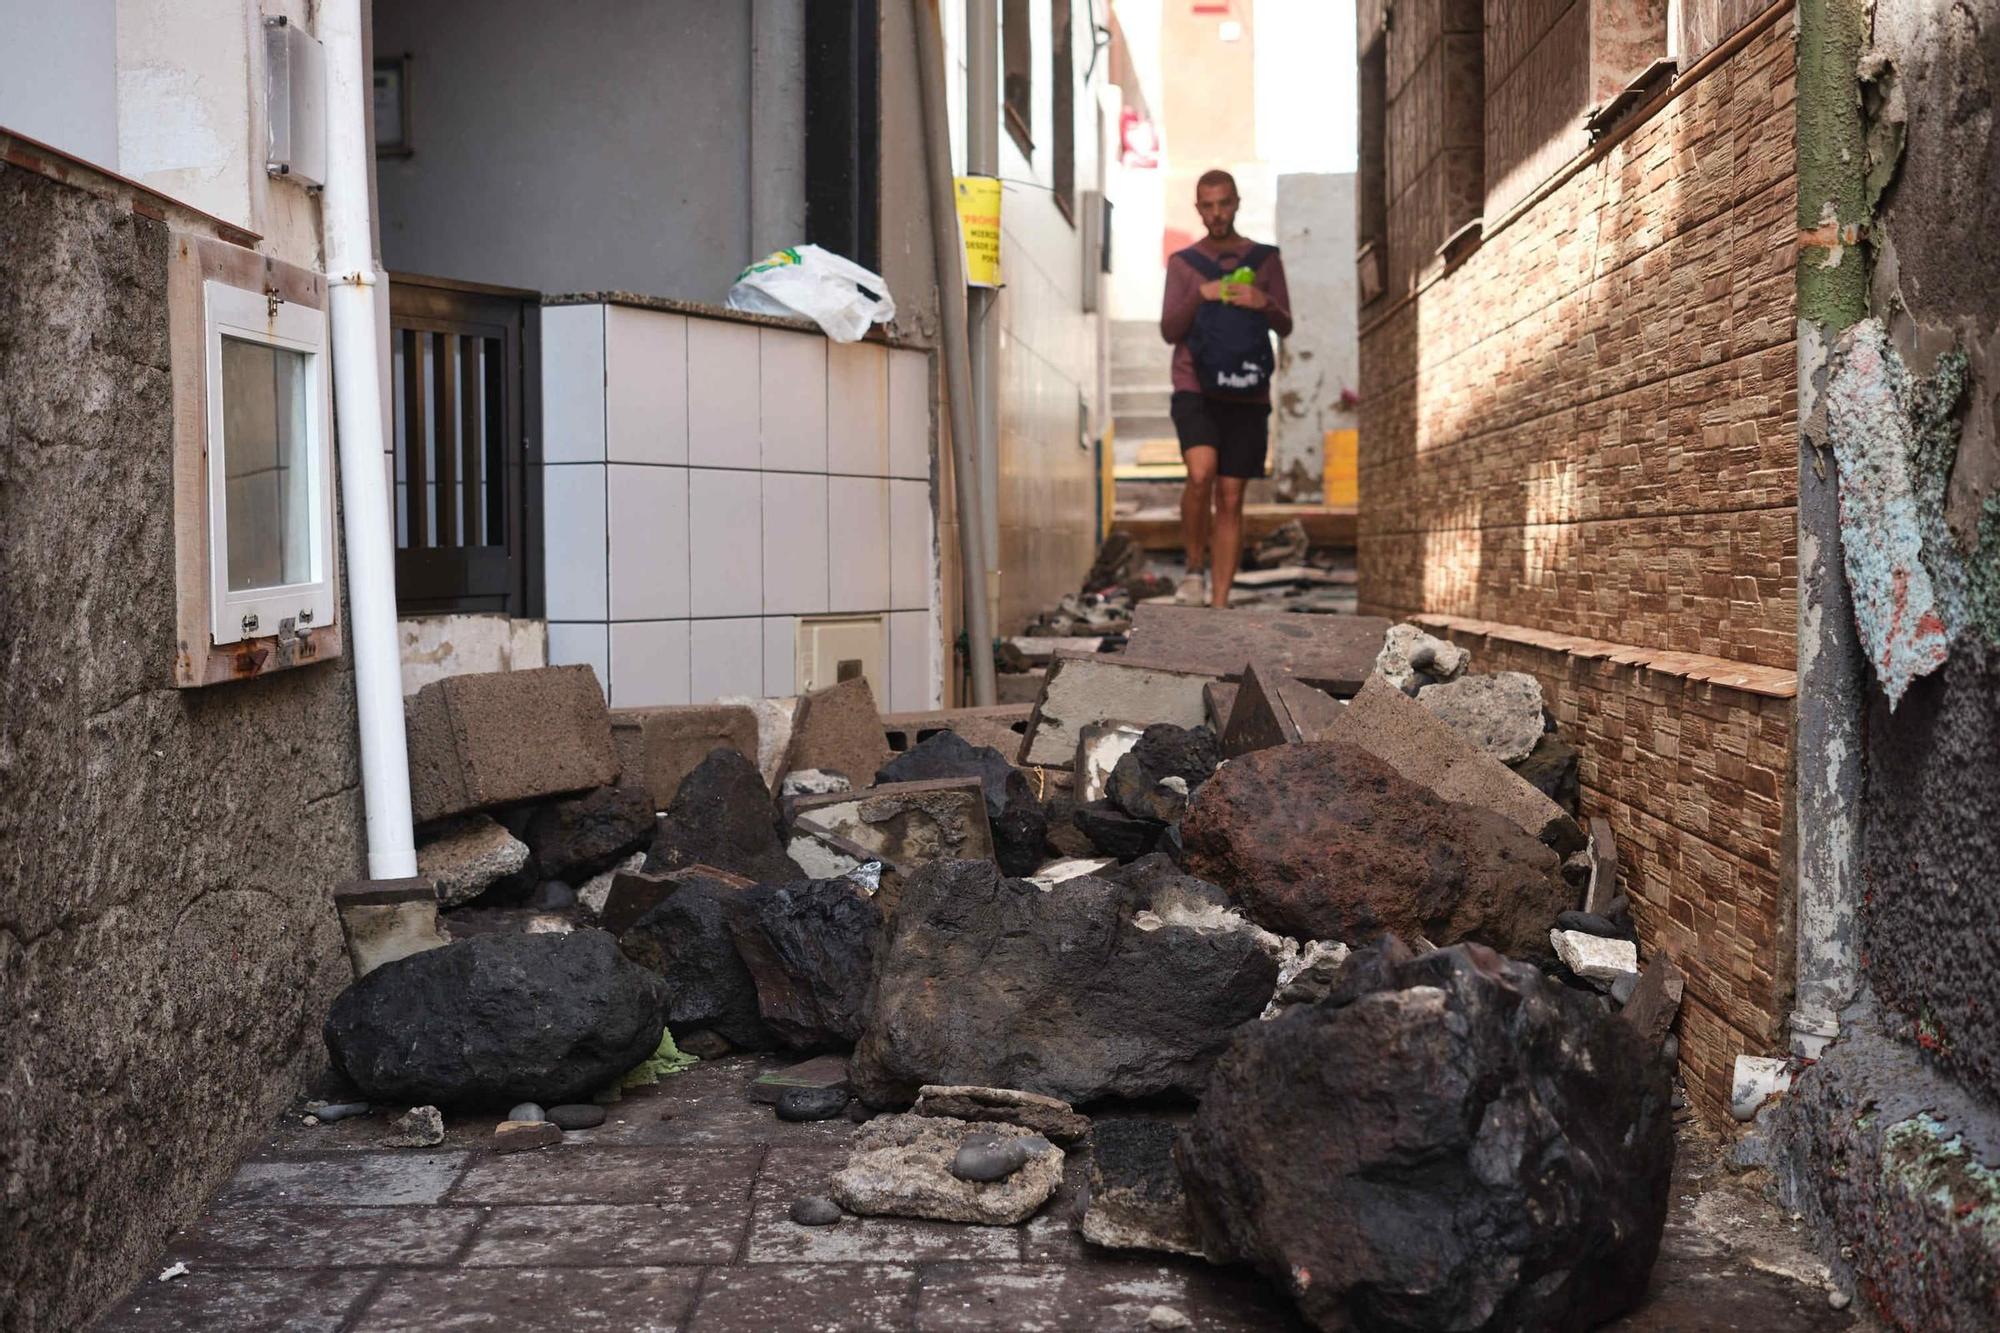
(672, 1215)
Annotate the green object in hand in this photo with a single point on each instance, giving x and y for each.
(1242, 277)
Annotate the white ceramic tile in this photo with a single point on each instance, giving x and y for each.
(909, 414)
(910, 558)
(588, 644)
(725, 543)
(910, 685)
(649, 663)
(857, 543)
(857, 409)
(793, 400)
(726, 658)
(723, 390)
(573, 541)
(649, 541)
(794, 542)
(573, 384)
(645, 386)
(780, 657)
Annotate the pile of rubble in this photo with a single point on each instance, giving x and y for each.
(1286, 923)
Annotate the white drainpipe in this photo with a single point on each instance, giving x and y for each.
(357, 397)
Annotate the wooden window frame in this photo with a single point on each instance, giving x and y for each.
(1017, 61)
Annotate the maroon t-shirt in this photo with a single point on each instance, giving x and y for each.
(1183, 299)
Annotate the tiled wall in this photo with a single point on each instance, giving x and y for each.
(707, 481)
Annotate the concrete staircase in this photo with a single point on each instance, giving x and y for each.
(1140, 394)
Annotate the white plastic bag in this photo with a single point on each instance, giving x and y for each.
(839, 295)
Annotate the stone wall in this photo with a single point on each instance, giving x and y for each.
(167, 940)
(1582, 436)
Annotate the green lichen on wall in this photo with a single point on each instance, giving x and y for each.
(1832, 150)
(1927, 1160)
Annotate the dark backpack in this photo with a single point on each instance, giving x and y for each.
(1231, 345)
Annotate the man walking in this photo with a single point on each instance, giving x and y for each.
(1225, 296)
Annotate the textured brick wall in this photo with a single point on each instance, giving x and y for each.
(1588, 429)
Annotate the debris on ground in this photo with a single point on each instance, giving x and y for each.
(901, 1166)
(418, 1127)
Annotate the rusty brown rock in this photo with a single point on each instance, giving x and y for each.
(839, 731)
(1322, 840)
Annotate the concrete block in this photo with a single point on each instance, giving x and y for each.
(824, 855)
(505, 736)
(1335, 653)
(1429, 751)
(1098, 751)
(658, 747)
(906, 823)
(1019, 687)
(775, 718)
(1218, 697)
(1083, 690)
(1596, 959)
(999, 726)
(467, 856)
(386, 919)
(839, 730)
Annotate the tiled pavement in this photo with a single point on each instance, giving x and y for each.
(672, 1215)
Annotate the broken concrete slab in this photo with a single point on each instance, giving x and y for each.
(1051, 1117)
(999, 726)
(901, 1167)
(1083, 690)
(1412, 658)
(1099, 747)
(1421, 746)
(494, 738)
(1137, 1200)
(1500, 712)
(822, 1071)
(1272, 709)
(1218, 697)
(838, 730)
(386, 919)
(1016, 819)
(824, 855)
(1019, 687)
(659, 747)
(1036, 650)
(775, 718)
(466, 856)
(1594, 958)
(908, 823)
(1334, 653)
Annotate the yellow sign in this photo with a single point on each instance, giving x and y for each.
(979, 224)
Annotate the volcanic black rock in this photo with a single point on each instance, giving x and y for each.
(1322, 840)
(810, 947)
(1112, 832)
(722, 816)
(1551, 767)
(990, 981)
(575, 837)
(1020, 828)
(498, 1019)
(1470, 1147)
(686, 939)
(1189, 754)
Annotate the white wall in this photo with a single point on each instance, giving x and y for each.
(1316, 233)
(709, 481)
(59, 75)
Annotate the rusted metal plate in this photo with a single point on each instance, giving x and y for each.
(1333, 653)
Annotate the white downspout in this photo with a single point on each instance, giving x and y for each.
(357, 398)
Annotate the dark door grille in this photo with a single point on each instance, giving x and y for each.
(466, 376)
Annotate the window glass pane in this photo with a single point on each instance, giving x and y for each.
(265, 467)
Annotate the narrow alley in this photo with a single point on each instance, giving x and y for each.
(999, 664)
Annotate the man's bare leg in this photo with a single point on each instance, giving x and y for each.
(1225, 548)
(1197, 502)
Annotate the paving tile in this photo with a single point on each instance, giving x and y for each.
(1032, 1298)
(703, 1229)
(712, 1120)
(260, 1236)
(576, 1173)
(792, 1171)
(533, 1300)
(805, 1298)
(373, 1179)
(226, 1301)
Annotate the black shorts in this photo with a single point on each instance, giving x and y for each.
(1240, 433)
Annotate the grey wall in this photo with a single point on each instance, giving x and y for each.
(59, 75)
(167, 940)
(589, 146)
(1322, 357)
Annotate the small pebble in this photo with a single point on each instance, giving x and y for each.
(811, 1103)
(578, 1115)
(859, 1112)
(1622, 988)
(328, 1112)
(985, 1161)
(418, 1127)
(1166, 1317)
(527, 1111)
(813, 1211)
(310, 1122)
(1838, 1299)
(1679, 1103)
(525, 1135)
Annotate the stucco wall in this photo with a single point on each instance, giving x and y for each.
(1322, 357)
(167, 940)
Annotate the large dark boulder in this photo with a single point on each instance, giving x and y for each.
(1112, 832)
(809, 947)
(722, 816)
(575, 837)
(1189, 754)
(1468, 1146)
(991, 981)
(1020, 827)
(686, 939)
(497, 1019)
(1322, 840)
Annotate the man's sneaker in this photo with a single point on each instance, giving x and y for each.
(1192, 592)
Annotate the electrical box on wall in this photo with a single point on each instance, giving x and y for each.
(294, 103)
(836, 648)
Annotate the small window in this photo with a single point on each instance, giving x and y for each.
(1062, 108)
(270, 485)
(1017, 59)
